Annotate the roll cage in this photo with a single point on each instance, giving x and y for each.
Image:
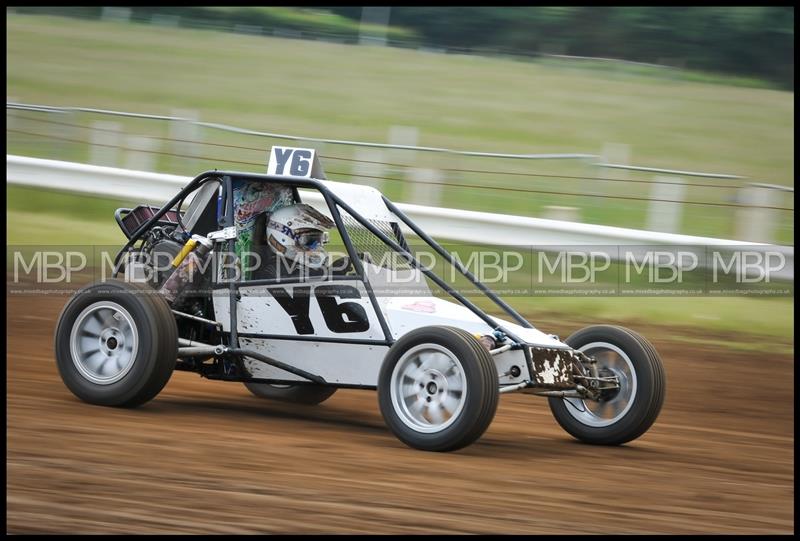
(225, 211)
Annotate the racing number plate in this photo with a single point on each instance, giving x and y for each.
(552, 368)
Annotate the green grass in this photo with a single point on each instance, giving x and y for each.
(622, 69)
(745, 318)
(26, 228)
(466, 102)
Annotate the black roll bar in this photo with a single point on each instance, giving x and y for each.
(412, 260)
(457, 264)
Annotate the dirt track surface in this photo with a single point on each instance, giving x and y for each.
(207, 457)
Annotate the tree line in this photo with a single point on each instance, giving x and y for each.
(751, 41)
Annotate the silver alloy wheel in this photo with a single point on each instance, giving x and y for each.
(428, 388)
(596, 413)
(104, 342)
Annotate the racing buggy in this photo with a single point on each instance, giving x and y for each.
(239, 287)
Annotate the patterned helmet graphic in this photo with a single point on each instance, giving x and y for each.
(298, 233)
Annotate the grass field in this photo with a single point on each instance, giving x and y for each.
(329, 90)
(337, 91)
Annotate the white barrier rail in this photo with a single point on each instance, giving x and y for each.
(442, 223)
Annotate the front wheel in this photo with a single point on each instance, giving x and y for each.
(620, 415)
(438, 388)
(116, 344)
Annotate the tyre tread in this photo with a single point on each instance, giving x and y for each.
(162, 331)
(635, 423)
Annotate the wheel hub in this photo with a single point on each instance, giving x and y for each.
(428, 388)
(606, 395)
(104, 342)
(612, 404)
(111, 339)
(433, 390)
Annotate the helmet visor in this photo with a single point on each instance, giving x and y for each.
(312, 240)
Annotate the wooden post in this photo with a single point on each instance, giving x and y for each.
(403, 136)
(423, 192)
(662, 215)
(182, 133)
(369, 167)
(756, 224)
(564, 214)
(137, 156)
(104, 141)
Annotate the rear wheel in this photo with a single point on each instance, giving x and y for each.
(438, 389)
(298, 394)
(620, 415)
(116, 344)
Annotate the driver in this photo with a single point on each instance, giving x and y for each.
(296, 236)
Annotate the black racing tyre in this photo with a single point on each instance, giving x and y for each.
(619, 416)
(297, 394)
(116, 343)
(438, 388)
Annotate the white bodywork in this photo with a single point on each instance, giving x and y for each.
(365, 200)
(332, 328)
(352, 356)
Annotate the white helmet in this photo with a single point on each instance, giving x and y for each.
(298, 233)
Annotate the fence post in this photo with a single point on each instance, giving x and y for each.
(402, 136)
(369, 167)
(755, 224)
(618, 153)
(138, 156)
(665, 216)
(561, 213)
(183, 132)
(104, 141)
(423, 192)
